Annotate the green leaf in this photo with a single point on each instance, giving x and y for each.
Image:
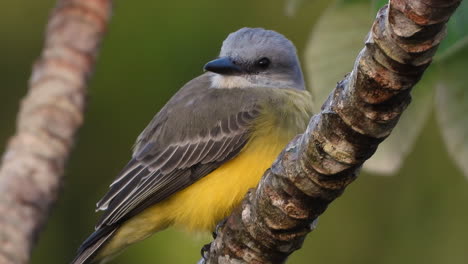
(393, 151)
(333, 45)
(452, 106)
(457, 33)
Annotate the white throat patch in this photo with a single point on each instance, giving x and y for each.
(228, 82)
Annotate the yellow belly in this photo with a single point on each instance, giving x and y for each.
(203, 204)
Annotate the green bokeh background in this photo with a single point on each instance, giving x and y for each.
(154, 47)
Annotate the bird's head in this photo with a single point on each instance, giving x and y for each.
(255, 57)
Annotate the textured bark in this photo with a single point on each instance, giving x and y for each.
(32, 167)
(316, 167)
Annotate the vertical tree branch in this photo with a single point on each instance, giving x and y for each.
(316, 167)
(33, 163)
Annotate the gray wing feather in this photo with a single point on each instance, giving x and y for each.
(87, 251)
(172, 154)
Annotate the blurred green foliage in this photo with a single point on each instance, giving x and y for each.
(154, 47)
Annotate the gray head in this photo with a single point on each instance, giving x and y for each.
(255, 57)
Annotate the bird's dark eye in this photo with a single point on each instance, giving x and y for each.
(263, 63)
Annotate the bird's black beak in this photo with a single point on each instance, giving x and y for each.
(222, 65)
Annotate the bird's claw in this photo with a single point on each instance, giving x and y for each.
(218, 227)
(205, 251)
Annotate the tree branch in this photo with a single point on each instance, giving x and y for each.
(33, 163)
(315, 168)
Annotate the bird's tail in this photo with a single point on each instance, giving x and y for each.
(91, 246)
(109, 240)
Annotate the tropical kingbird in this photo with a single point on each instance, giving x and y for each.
(207, 146)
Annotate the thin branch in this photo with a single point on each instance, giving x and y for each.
(315, 168)
(32, 167)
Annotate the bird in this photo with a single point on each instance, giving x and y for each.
(211, 143)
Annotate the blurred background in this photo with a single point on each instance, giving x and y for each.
(418, 215)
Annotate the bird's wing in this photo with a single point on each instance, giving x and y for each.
(172, 154)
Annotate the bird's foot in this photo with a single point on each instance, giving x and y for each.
(206, 248)
(205, 251)
(218, 227)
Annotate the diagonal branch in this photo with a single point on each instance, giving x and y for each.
(315, 168)
(32, 168)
